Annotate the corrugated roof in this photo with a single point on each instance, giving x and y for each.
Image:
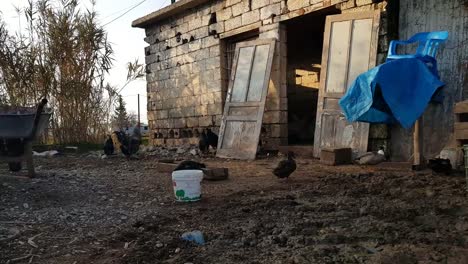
(166, 12)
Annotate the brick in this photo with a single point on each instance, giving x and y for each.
(275, 117)
(275, 34)
(259, 3)
(195, 23)
(209, 42)
(179, 123)
(224, 14)
(182, 49)
(296, 4)
(214, 51)
(363, 2)
(240, 8)
(250, 17)
(213, 63)
(201, 110)
(267, 11)
(215, 109)
(162, 114)
(233, 23)
(232, 2)
(205, 121)
(336, 156)
(192, 121)
(167, 123)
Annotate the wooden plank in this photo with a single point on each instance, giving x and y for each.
(461, 107)
(241, 30)
(461, 134)
(460, 125)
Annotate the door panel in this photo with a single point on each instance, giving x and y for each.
(245, 101)
(349, 49)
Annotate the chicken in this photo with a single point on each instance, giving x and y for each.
(190, 165)
(212, 138)
(285, 167)
(439, 165)
(109, 146)
(203, 142)
(129, 145)
(371, 158)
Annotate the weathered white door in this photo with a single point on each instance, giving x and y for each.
(245, 100)
(349, 49)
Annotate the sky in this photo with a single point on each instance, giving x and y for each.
(127, 42)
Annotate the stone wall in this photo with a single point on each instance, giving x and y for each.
(184, 64)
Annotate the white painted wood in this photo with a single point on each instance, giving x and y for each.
(350, 48)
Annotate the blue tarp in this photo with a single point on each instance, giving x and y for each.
(398, 90)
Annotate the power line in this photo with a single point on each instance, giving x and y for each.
(131, 8)
(126, 12)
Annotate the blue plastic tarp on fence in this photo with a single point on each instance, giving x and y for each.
(398, 90)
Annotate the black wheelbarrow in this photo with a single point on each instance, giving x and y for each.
(19, 127)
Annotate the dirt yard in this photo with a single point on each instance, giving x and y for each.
(91, 210)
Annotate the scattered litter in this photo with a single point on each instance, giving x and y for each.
(48, 153)
(194, 236)
(26, 206)
(31, 241)
(159, 245)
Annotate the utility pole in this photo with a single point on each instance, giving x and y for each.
(138, 111)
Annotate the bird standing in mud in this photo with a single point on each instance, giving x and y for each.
(109, 146)
(285, 167)
(203, 142)
(212, 138)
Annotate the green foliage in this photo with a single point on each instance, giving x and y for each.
(63, 55)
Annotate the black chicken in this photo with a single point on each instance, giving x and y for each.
(203, 142)
(129, 145)
(285, 167)
(439, 165)
(109, 146)
(190, 165)
(212, 138)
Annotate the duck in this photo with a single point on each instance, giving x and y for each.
(190, 165)
(109, 146)
(286, 167)
(212, 138)
(371, 158)
(203, 142)
(439, 165)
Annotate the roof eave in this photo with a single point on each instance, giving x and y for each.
(166, 12)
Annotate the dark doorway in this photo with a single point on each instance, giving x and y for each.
(305, 44)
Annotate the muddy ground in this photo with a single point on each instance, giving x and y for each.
(90, 210)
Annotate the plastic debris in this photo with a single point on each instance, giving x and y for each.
(194, 236)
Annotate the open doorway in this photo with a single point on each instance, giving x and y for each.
(305, 44)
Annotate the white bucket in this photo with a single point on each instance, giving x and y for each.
(186, 185)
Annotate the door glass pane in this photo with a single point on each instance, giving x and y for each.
(360, 49)
(338, 57)
(241, 79)
(257, 79)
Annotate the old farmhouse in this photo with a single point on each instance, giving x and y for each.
(295, 60)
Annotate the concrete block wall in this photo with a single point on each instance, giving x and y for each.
(184, 64)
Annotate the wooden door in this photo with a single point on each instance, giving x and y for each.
(349, 49)
(245, 100)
